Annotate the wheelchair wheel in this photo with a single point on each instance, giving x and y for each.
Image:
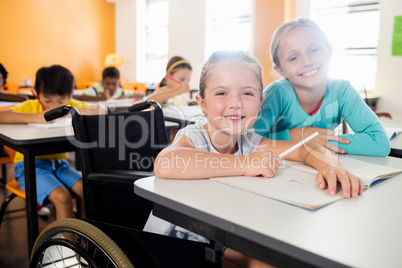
(76, 243)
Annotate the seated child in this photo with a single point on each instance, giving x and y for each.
(224, 145)
(306, 100)
(55, 178)
(4, 95)
(3, 76)
(175, 84)
(108, 88)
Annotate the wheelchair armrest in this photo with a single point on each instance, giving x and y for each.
(125, 176)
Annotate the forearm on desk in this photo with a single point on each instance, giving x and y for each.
(11, 117)
(188, 163)
(371, 144)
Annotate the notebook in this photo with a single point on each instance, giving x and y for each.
(296, 185)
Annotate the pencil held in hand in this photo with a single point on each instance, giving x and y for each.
(168, 76)
(36, 97)
(294, 147)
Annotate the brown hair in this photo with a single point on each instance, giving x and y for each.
(174, 64)
(54, 80)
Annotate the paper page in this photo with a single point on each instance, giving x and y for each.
(392, 132)
(292, 186)
(60, 122)
(366, 171)
(289, 186)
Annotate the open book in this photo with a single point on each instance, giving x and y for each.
(392, 132)
(296, 185)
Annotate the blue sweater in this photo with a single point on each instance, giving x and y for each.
(281, 111)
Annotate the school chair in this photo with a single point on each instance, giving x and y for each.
(84, 84)
(115, 150)
(137, 87)
(5, 159)
(11, 88)
(15, 191)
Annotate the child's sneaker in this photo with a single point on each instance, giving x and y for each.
(43, 211)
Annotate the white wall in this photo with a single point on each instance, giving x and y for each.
(186, 35)
(125, 37)
(389, 72)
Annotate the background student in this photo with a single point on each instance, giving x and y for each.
(306, 100)
(108, 88)
(230, 97)
(175, 84)
(55, 178)
(4, 95)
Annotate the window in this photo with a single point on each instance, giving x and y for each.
(152, 56)
(353, 30)
(229, 28)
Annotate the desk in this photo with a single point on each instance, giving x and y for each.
(396, 143)
(8, 104)
(182, 114)
(31, 142)
(361, 232)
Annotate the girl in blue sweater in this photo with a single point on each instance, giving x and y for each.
(306, 100)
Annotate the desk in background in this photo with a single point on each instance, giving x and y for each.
(396, 142)
(360, 232)
(31, 142)
(8, 104)
(183, 114)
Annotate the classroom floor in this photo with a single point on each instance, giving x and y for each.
(13, 230)
(13, 234)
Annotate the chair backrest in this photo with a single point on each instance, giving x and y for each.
(137, 87)
(84, 84)
(113, 151)
(120, 141)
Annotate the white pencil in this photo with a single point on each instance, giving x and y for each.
(294, 147)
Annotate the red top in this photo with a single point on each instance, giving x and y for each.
(316, 108)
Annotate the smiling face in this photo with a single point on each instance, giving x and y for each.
(53, 101)
(232, 99)
(183, 75)
(304, 58)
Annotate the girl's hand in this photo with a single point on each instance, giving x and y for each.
(182, 88)
(352, 186)
(325, 135)
(260, 163)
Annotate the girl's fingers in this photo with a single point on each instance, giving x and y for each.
(267, 173)
(346, 184)
(332, 182)
(334, 148)
(338, 139)
(320, 181)
(357, 185)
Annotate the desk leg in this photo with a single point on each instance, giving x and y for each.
(30, 190)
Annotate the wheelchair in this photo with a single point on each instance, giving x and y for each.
(113, 151)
